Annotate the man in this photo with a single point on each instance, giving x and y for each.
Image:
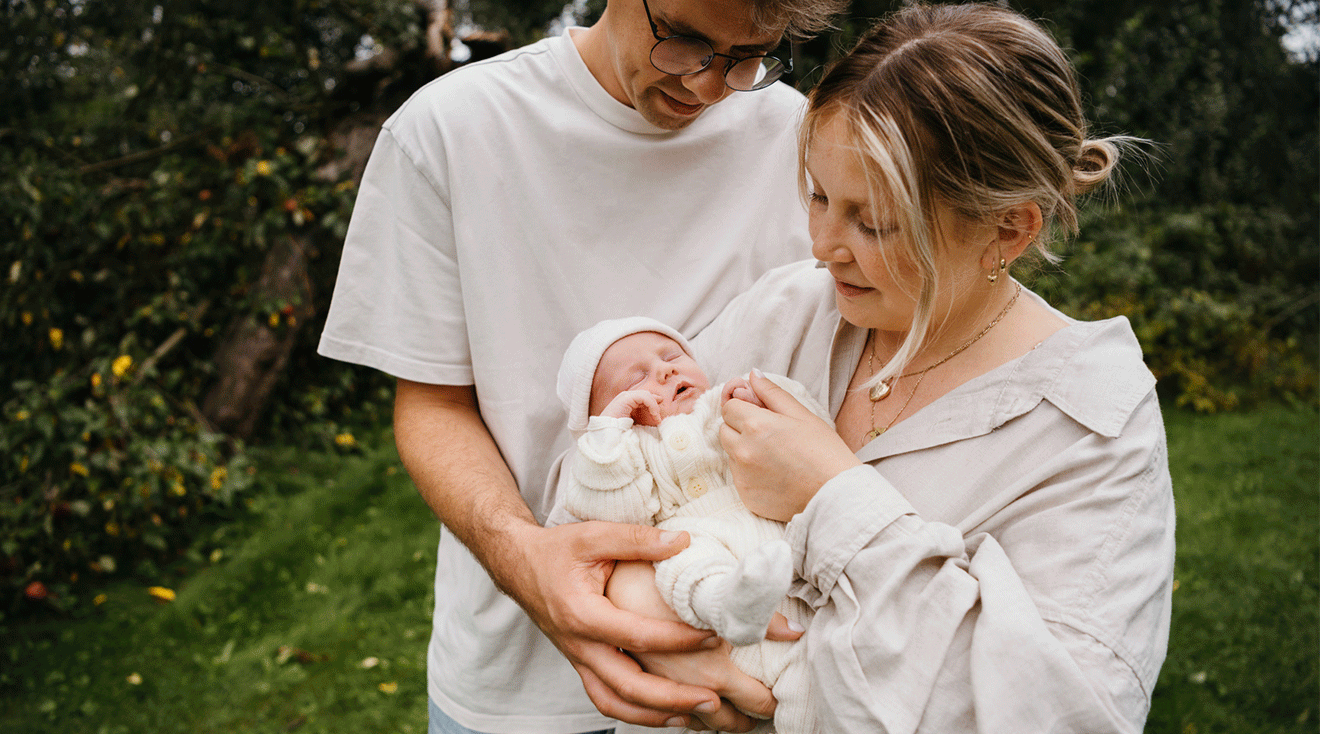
(610, 172)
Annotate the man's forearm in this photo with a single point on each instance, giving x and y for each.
(458, 470)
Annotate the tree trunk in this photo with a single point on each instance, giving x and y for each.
(257, 346)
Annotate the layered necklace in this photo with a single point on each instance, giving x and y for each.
(882, 389)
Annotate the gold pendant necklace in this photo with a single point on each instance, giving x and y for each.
(883, 388)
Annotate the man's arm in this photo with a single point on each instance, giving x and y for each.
(557, 575)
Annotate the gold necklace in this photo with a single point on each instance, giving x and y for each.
(881, 390)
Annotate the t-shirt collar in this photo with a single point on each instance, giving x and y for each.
(592, 94)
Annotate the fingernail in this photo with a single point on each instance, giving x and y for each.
(676, 721)
(669, 536)
(708, 707)
(757, 371)
(795, 627)
(712, 642)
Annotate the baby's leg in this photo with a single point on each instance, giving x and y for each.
(710, 588)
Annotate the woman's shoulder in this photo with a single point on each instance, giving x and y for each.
(1094, 371)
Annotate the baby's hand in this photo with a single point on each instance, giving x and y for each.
(739, 388)
(639, 405)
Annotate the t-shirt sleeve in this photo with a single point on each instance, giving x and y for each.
(398, 304)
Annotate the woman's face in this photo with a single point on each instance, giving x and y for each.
(876, 284)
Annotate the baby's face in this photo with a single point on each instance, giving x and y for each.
(652, 362)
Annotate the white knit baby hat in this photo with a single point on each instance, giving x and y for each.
(583, 354)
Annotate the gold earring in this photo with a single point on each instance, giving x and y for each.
(993, 277)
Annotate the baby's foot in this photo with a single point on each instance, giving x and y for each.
(753, 591)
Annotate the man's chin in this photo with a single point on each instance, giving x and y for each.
(666, 112)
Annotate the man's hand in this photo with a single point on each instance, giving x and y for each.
(566, 571)
(632, 586)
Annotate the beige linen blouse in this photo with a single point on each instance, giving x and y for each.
(1004, 560)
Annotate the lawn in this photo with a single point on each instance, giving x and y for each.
(312, 614)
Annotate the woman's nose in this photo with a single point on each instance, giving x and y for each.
(827, 246)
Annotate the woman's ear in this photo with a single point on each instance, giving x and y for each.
(1016, 229)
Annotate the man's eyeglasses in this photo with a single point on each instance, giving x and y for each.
(684, 55)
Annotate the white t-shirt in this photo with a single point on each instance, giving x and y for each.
(507, 206)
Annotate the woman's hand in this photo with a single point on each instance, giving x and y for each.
(780, 454)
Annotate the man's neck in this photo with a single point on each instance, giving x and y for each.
(592, 45)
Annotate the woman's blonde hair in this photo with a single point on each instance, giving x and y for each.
(974, 107)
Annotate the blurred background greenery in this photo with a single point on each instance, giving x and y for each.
(179, 175)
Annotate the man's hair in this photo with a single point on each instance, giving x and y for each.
(800, 19)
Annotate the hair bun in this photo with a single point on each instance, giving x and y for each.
(1095, 162)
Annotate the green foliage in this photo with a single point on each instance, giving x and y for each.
(309, 613)
(156, 153)
(1216, 337)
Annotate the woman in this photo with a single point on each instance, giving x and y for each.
(987, 539)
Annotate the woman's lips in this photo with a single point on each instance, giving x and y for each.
(848, 290)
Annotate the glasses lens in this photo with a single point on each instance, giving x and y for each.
(757, 72)
(680, 55)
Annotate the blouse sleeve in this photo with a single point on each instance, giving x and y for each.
(608, 478)
(920, 628)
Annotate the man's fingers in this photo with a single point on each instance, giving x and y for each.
(610, 704)
(619, 628)
(636, 696)
(750, 695)
(617, 541)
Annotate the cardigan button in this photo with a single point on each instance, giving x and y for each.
(679, 440)
(694, 488)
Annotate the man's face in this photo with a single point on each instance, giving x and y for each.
(668, 101)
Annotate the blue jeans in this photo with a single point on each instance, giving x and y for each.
(440, 723)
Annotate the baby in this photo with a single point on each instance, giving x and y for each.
(648, 452)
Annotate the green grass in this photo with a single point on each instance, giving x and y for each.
(335, 566)
(1243, 651)
(336, 561)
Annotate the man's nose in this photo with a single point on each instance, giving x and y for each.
(708, 84)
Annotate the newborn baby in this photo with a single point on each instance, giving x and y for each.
(648, 453)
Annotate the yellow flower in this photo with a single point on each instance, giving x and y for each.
(122, 364)
(112, 529)
(218, 477)
(134, 679)
(99, 599)
(162, 593)
(346, 440)
(96, 380)
(22, 415)
(389, 687)
(78, 469)
(177, 489)
(274, 319)
(27, 318)
(57, 338)
(263, 168)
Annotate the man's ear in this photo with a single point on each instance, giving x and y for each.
(1016, 229)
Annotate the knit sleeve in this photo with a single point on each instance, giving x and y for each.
(609, 479)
